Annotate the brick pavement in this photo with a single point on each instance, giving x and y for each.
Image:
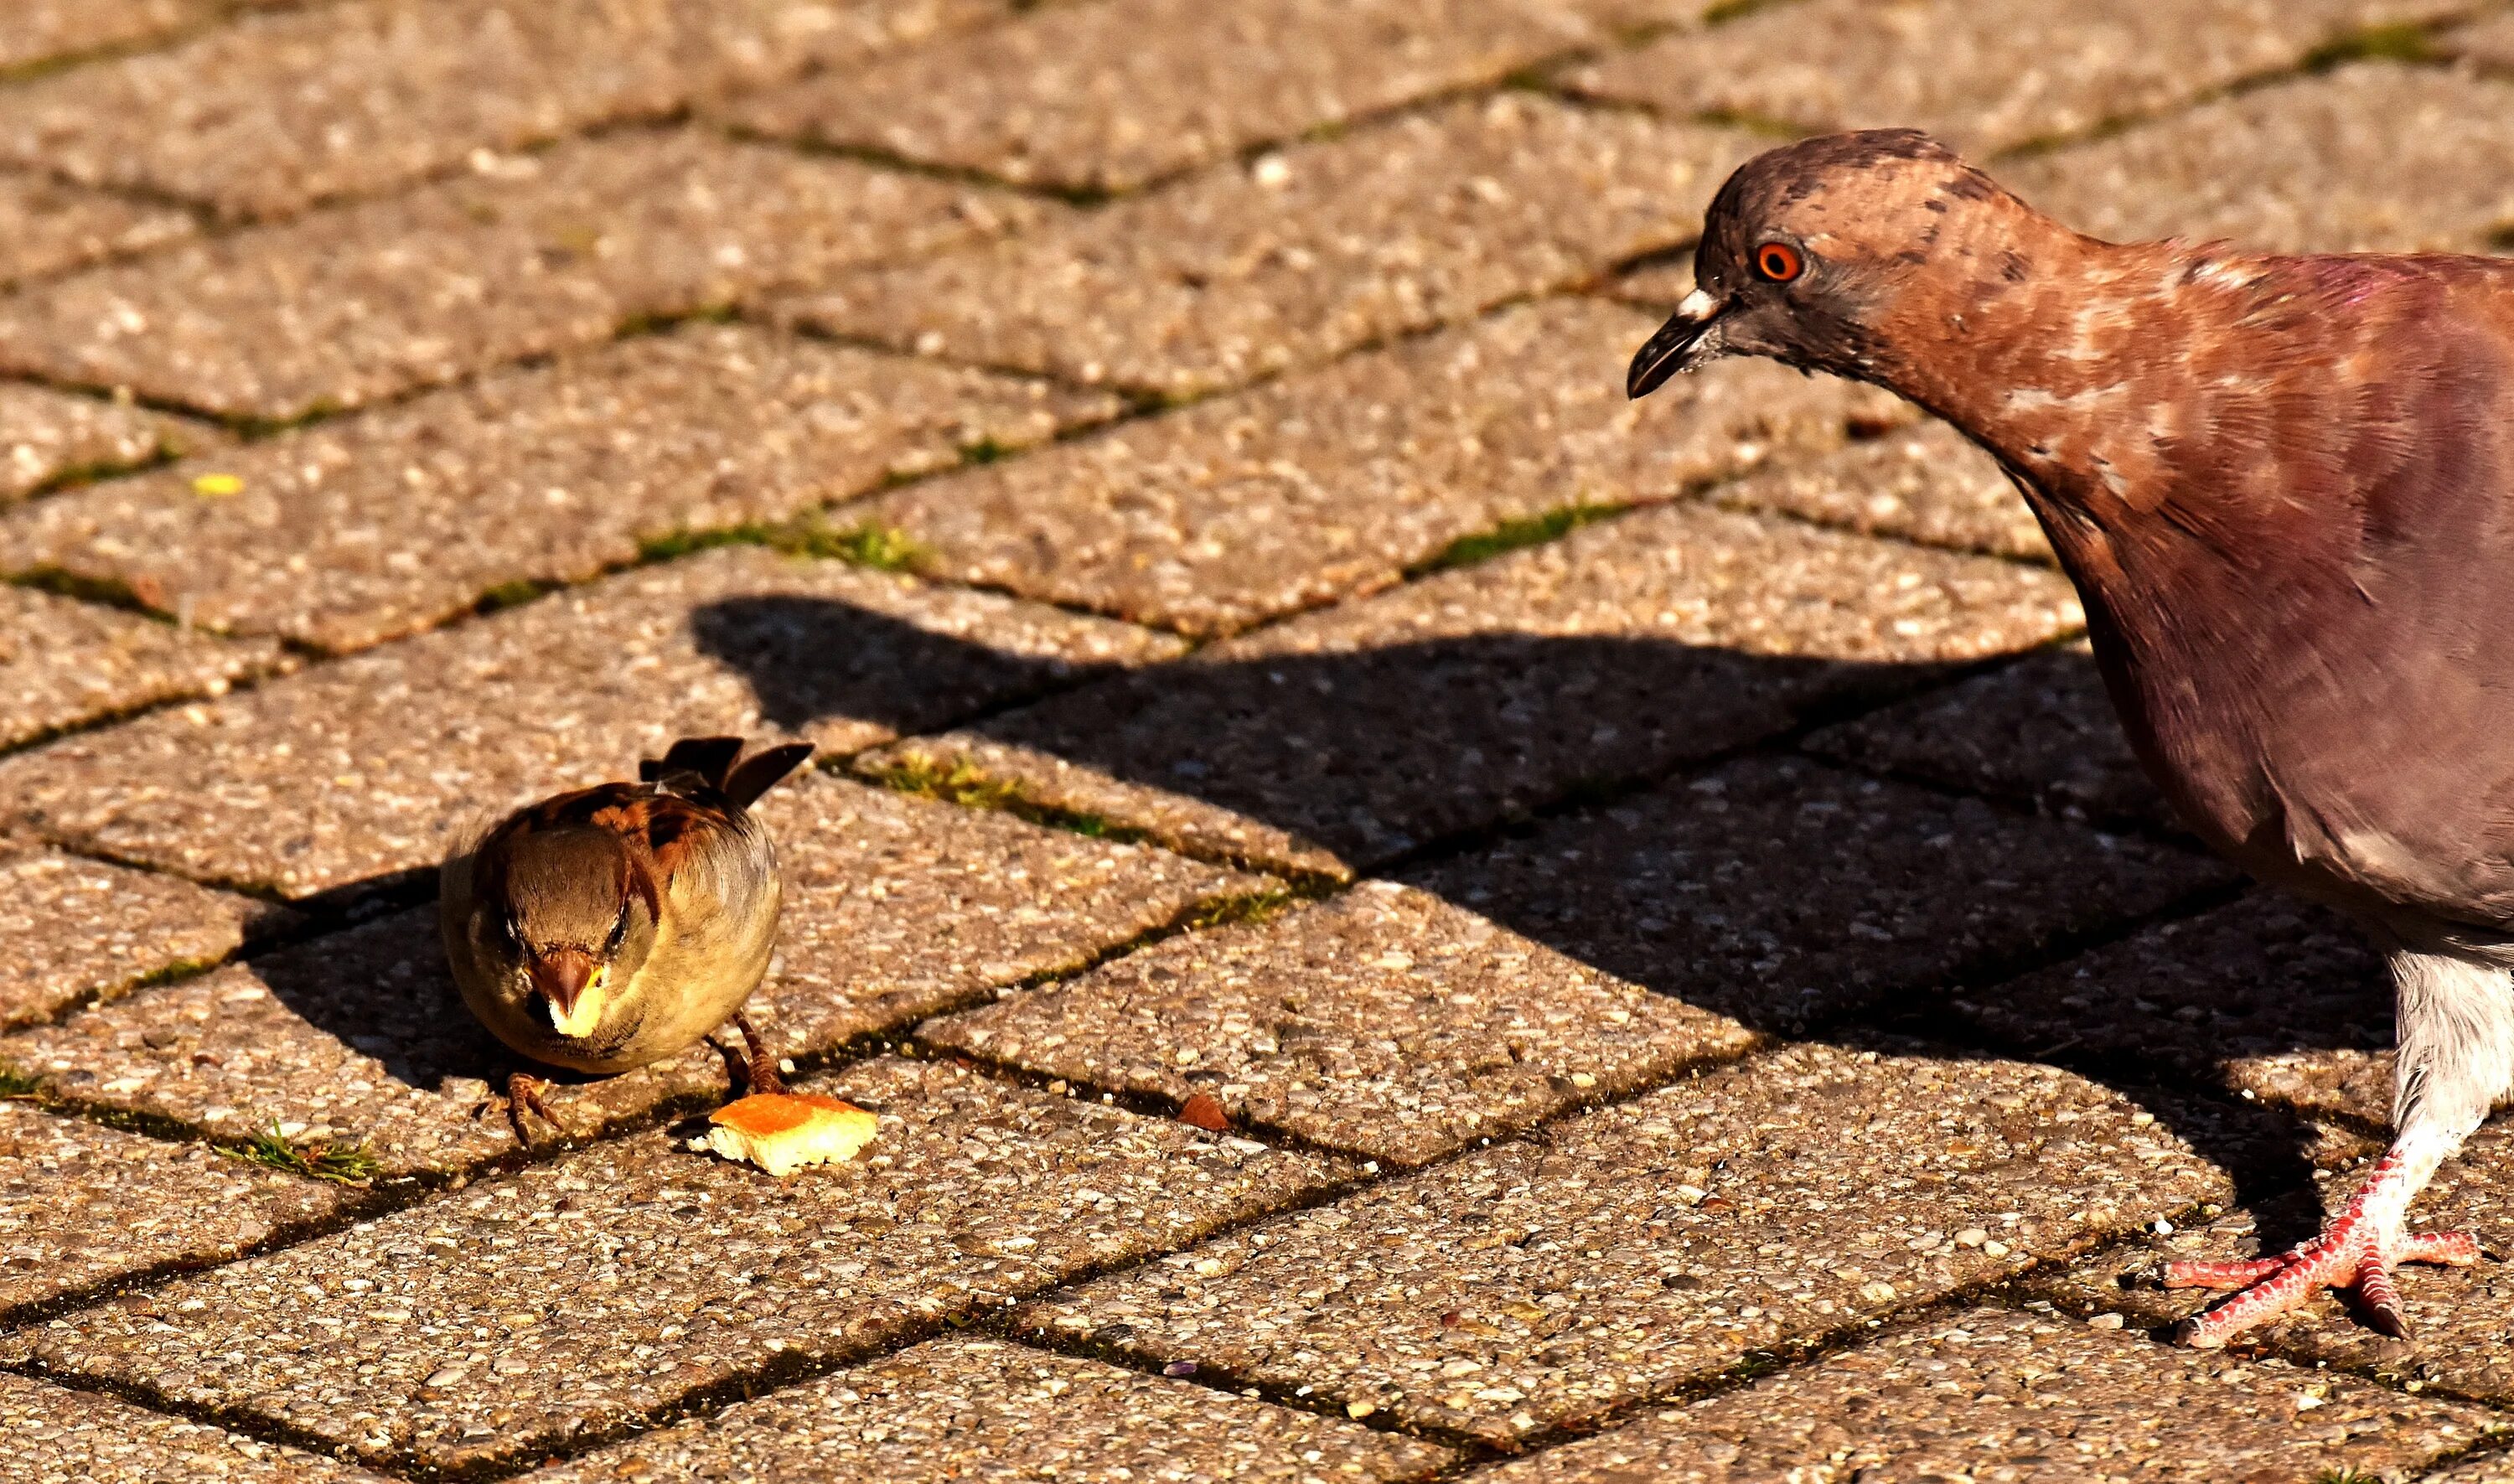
(1405, 918)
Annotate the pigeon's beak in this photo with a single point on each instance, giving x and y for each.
(1685, 341)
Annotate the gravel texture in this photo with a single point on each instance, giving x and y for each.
(65, 663)
(82, 1205)
(1339, 480)
(60, 1436)
(2268, 997)
(261, 117)
(2378, 156)
(365, 528)
(1532, 1284)
(963, 1409)
(1308, 252)
(1108, 96)
(1922, 483)
(517, 256)
(1351, 737)
(1385, 1022)
(78, 929)
(1781, 892)
(565, 1302)
(1984, 77)
(371, 765)
(54, 226)
(1993, 1393)
(50, 437)
(2038, 731)
(895, 908)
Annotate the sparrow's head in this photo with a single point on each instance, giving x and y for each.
(1811, 250)
(575, 918)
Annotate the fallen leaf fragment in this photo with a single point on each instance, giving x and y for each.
(215, 486)
(1205, 1111)
(782, 1132)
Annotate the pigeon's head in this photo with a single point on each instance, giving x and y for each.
(1811, 250)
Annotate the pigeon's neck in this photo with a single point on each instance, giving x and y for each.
(2065, 356)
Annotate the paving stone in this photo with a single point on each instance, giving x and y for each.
(2486, 43)
(1306, 253)
(2351, 161)
(371, 765)
(1532, 1284)
(2268, 997)
(1108, 96)
(2459, 1317)
(1923, 482)
(1349, 737)
(261, 117)
(52, 436)
(62, 1436)
(83, 1205)
(1998, 1393)
(64, 662)
(1981, 77)
(1385, 1022)
(571, 1299)
(521, 255)
(47, 224)
(2039, 730)
(80, 928)
(365, 528)
(896, 907)
(1778, 891)
(960, 1409)
(1341, 479)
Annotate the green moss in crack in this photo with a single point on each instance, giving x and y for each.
(1512, 535)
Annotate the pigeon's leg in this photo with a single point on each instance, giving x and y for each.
(762, 1075)
(2456, 1058)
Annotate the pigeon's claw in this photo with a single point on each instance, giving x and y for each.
(2351, 1255)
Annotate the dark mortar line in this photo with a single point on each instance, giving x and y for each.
(165, 40)
(106, 720)
(1091, 196)
(236, 1419)
(2337, 49)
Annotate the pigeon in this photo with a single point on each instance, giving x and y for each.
(2284, 488)
(610, 927)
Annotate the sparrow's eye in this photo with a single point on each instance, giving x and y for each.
(619, 933)
(1778, 263)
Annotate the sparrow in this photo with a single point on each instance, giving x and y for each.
(609, 926)
(2284, 488)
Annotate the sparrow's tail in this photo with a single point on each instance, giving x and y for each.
(717, 763)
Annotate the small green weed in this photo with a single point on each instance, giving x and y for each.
(336, 1160)
(871, 544)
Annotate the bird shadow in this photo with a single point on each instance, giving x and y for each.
(1427, 759)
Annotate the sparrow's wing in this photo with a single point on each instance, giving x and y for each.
(764, 771)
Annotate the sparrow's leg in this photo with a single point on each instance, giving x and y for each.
(2456, 1058)
(761, 1076)
(524, 1091)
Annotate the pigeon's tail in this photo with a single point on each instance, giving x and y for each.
(717, 763)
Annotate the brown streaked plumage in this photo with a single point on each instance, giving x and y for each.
(2284, 487)
(613, 926)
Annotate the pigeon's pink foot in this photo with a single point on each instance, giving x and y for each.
(2356, 1250)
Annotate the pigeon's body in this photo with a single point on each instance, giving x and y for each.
(2284, 488)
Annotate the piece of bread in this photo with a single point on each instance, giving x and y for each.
(782, 1132)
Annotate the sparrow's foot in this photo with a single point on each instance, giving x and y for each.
(524, 1092)
(2352, 1253)
(762, 1075)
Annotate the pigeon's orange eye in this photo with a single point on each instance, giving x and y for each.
(1778, 261)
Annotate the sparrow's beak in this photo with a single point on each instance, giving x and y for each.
(1685, 341)
(572, 982)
